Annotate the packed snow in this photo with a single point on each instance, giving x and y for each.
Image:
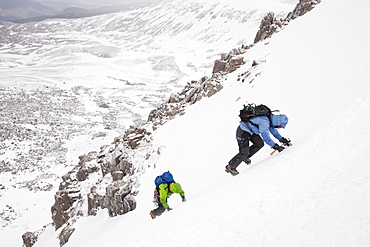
(129, 62)
(314, 193)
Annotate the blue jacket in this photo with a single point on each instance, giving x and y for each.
(262, 125)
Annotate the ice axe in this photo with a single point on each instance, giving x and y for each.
(273, 152)
(276, 150)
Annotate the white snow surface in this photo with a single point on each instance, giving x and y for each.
(315, 193)
(131, 61)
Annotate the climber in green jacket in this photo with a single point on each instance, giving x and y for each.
(162, 193)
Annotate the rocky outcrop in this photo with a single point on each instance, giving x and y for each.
(29, 238)
(69, 192)
(65, 234)
(219, 66)
(302, 8)
(118, 197)
(134, 135)
(269, 24)
(193, 92)
(229, 62)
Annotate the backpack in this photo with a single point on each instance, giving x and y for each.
(251, 110)
(166, 177)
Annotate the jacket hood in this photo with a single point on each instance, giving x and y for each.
(279, 120)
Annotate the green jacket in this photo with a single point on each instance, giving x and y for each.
(164, 193)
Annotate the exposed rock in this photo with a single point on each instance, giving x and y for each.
(118, 198)
(165, 112)
(69, 190)
(29, 239)
(219, 66)
(229, 62)
(93, 201)
(117, 175)
(302, 8)
(134, 135)
(65, 234)
(193, 92)
(59, 210)
(125, 167)
(269, 24)
(234, 64)
(105, 167)
(255, 63)
(82, 173)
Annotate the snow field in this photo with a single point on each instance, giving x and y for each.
(316, 193)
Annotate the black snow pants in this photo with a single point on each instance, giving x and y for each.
(244, 150)
(159, 210)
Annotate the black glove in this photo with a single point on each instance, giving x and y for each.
(183, 199)
(286, 142)
(169, 209)
(278, 148)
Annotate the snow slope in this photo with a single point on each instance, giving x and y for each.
(316, 193)
(130, 61)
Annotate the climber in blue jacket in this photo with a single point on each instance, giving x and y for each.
(257, 130)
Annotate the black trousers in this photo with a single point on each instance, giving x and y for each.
(246, 151)
(159, 210)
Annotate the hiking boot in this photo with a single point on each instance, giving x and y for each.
(152, 215)
(247, 161)
(231, 170)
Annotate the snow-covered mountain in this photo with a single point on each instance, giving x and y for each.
(316, 193)
(11, 10)
(69, 87)
(22, 11)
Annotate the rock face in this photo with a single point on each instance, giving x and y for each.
(70, 192)
(269, 25)
(65, 234)
(193, 92)
(29, 239)
(118, 196)
(302, 8)
(229, 62)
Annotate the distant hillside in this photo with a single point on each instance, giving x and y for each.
(20, 9)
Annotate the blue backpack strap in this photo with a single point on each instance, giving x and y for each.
(158, 180)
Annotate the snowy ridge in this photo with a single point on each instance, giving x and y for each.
(307, 198)
(313, 194)
(112, 71)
